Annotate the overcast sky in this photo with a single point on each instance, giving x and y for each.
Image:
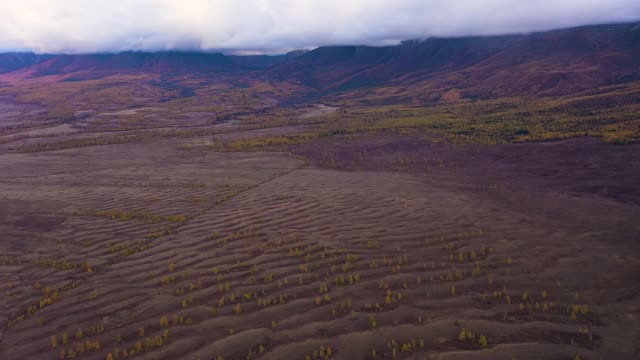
(245, 26)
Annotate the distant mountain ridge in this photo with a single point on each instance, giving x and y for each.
(160, 62)
(344, 67)
(547, 63)
(17, 60)
(553, 62)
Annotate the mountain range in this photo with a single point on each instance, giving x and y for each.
(548, 63)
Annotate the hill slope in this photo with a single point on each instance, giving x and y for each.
(549, 63)
(14, 61)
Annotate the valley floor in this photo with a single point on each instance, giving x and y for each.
(162, 252)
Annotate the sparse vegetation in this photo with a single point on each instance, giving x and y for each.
(249, 229)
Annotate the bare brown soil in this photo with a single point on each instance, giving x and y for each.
(327, 206)
(380, 245)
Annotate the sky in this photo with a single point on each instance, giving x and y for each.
(272, 26)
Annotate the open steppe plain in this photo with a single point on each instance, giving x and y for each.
(378, 246)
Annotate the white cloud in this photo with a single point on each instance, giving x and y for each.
(273, 25)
